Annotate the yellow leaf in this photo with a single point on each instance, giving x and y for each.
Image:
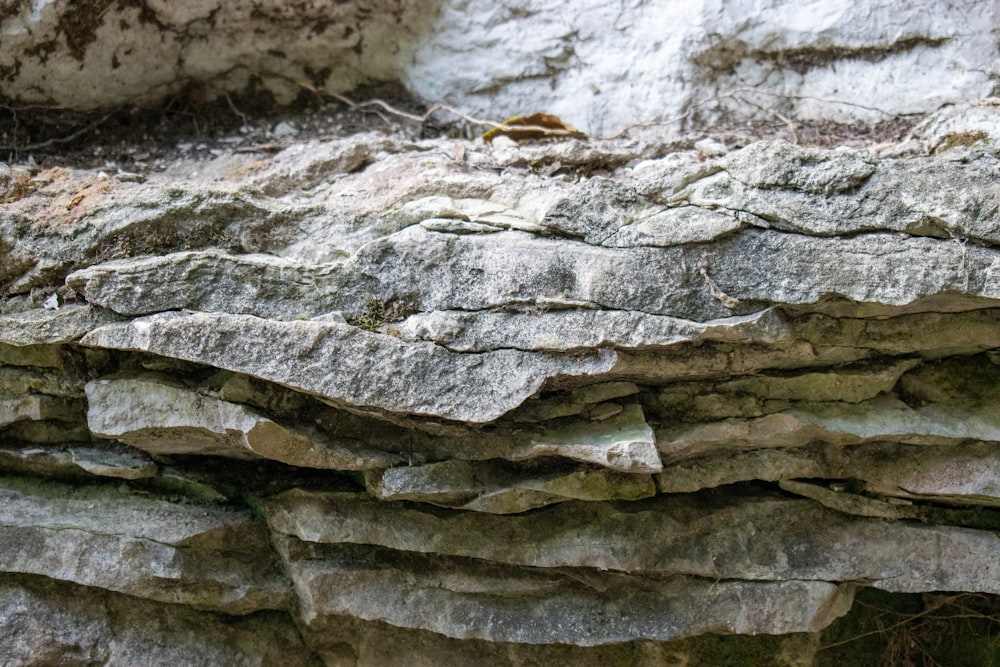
(535, 126)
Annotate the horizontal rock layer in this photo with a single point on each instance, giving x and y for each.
(487, 412)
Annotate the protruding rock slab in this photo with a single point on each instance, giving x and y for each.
(62, 325)
(55, 623)
(880, 419)
(468, 599)
(565, 330)
(961, 474)
(259, 285)
(825, 193)
(340, 639)
(751, 538)
(351, 367)
(68, 461)
(498, 489)
(739, 274)
(622, 442)
(163, 417)
(202, 556)
(615, 437)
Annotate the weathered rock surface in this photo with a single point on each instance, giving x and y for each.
(490, 411)
(50, 623)
(163, 417)
(602, 66)
(202, 557)
(754, 539)
(506, 604)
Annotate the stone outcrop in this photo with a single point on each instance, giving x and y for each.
(526, 414)
(376, 399)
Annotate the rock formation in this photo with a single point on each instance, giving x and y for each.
(382, 400)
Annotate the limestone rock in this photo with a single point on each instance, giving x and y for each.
(489, 487)
(838, 192)
(464, 599)
(379, 645)
(564, 330)
(359, 369)
(601, 67)
(40, 326)
(449, 401)
(145, 548)
(47, 623)
(963, 474)
(757, 539)
(878, 419)
(162, 417)
(211, 281)
(121, 463)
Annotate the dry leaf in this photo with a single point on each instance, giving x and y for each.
(535, 126)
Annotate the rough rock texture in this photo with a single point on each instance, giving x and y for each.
(601, 65)
(526, 414)
(381, 400)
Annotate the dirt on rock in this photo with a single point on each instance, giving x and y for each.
(143, 140)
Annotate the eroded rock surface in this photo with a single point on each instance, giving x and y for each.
(487, 410)
(602, 65)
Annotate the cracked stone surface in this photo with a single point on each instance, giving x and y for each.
(601, 66)
(591, 402)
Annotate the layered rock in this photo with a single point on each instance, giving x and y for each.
(478, 410)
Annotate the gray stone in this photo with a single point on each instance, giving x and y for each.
(849, 503)
(737, 539)
(497, 489)
(465, 599)
(961, 126)
(42, 326)
(120, 463)
(143, 547)
(359, 369)
(598, 68)
(124, 220)
(571, 401)
(754, 266)
(565, 330)
(342, 639)
(675, 226)
(828, 193)
(963, 474)
(164, 417)
(258, 285)
(966, 474)
(55, 623)
(878, 419)
(768, 465)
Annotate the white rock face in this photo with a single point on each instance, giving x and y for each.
(600, 65)
(603, 65)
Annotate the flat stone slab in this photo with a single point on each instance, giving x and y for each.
(143, 547)
(47, 326)
(468, 600)
(159, 416)
(498, 489)
(58, 623)
(740, 539)
(351, 367)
